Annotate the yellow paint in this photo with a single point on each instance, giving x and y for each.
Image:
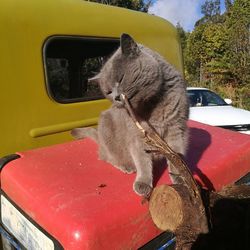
(29, 117)
(62, 127)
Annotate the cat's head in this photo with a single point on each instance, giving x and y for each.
(132, 71)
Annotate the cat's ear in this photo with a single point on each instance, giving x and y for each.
(128, 46)
(94, 79)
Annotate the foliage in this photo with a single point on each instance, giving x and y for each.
(217, 51)
(211, 10)
(139, 5)
(228, 4)
(238, 54)
(183, 35)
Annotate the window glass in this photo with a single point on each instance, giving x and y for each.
(198, 98)
(213, 99)
(70, 62)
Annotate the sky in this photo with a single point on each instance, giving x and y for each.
(186, 12)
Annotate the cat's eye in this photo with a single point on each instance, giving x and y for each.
(108, 92)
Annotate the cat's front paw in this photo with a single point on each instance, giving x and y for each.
(142, 189)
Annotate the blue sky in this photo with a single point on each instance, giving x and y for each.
(186, 12)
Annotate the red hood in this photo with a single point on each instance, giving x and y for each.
(86, 203)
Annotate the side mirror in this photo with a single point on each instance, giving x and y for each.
(228, 101)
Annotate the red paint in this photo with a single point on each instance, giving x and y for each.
(86, 203)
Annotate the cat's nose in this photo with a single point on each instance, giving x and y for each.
(118, 101)
(117, 98)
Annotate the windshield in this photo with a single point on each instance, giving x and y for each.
(202, 97)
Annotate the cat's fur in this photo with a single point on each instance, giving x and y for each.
(157, 93)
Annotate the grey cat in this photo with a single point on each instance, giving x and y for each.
(157, 94)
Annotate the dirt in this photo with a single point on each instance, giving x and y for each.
(229, 220)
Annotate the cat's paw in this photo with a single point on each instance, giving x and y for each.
(142, 188)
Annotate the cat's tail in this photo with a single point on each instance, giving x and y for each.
(81, 133)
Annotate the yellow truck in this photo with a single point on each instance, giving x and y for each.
(48, 51)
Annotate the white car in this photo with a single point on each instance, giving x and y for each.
(209, 108)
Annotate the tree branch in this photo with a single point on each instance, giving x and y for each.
(153, 138)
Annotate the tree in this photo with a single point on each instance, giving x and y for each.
(218, 48)
(139, 5)
(211, 8)
(182, 35)
(193, 54)
(238, 54)
(228, 4)
(217, 52)
(211, 11)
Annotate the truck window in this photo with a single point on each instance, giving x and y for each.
(70, 62)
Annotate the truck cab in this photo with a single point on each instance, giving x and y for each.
(48, 51)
